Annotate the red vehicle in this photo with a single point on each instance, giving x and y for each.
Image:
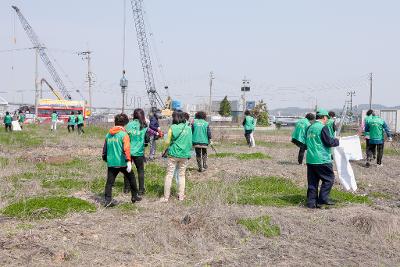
(62, 107)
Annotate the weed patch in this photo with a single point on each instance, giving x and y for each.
(66, 184)
(280, 192)
(3, 162)
(47, 207)
(241, 156)
(24, 139)
(261, 225)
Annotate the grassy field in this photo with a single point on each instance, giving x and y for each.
(247, 209)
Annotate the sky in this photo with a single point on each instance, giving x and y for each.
(294, 52)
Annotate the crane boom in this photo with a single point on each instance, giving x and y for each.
(144, 49)
(57, 94)
(42, 53)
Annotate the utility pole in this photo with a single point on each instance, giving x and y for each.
(245, 88)
(370, 90)
(36, 83)
(351, 94)
(87, 57)
(211, 85)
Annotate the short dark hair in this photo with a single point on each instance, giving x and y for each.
(310, 116)
(370, 112)
(79, 112)
(121, 119)
(319, 117)
(72, 113)
(7, 113)
(331, 114)
(186, 116)
(247, 112)
(201, 115)
(138, 114)
(178, 117)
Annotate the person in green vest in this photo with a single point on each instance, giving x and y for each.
(71, 122)
(54, 120)
(8, 121)
(201, 139)
(331, 123)
(117, 154)
(376, 127)
(299, 135)
(366, 134)
(319, 161)
(80, 122)
(249, 125)
(137, 130)
(179, 142)
(21, 118)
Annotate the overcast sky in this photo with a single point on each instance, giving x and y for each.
(293, 51)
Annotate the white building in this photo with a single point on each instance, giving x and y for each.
(3, 106)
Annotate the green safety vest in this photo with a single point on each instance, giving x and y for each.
(330, 124)
(21, 118)
(80, 119)
(137, 138)
(317, 152)
(249, 123)
(115, 149)
(367, 119)
(72, 120)
(200, 135)
(299, 132)
(7, 119)
(54, 117)
(181, 142)
(376, 128)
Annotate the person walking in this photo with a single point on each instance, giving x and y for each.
(54, 120)
(80, 122)
(71, 122)
(137, 130)
(179, 142)
(8, 122)
(201, 139)
(299, 135)
(21, 118)
(319, 161)
(375, 126)
(117, 154)
(155, 126)
(366, 134)
(249, 125)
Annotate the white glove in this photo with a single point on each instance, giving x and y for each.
(390, 139)
(129, 166)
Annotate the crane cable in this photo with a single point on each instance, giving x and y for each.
(124, 38)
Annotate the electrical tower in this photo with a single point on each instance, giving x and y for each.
(40, 48)
(144, 50)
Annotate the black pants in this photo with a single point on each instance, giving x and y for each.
(247, 134)
(71, 127)
(366, 148)
(201, 157)
(8, 127)
(112, 174)
(316, 173)
(371, 152)
(302, 149)
(139, 163)
(80, 128)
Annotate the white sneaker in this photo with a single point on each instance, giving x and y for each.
(163, 200)
(379, 165)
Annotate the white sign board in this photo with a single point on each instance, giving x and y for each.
(15, 126)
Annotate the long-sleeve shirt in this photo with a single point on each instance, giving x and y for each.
(327, 139)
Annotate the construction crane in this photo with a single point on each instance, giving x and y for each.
(57, 94)
(144, 49)
(42, 53)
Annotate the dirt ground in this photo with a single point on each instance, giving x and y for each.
(155, 234)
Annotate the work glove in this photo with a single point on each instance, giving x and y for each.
(129, 166)
(390, 139)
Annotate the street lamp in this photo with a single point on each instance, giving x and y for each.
(124, 84)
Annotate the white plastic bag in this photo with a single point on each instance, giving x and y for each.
(15, 126)
(345, 171)
(352, 147)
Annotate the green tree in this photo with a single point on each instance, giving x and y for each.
(225, 107)
(260, 112)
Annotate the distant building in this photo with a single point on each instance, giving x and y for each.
(3, 106)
